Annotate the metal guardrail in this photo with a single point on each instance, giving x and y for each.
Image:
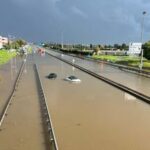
(123, 67)
(46, 114)
(9, 100)
(138, 95)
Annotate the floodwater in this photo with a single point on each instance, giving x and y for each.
(134, 81)
(8, 74)
(93, 115)
(22, 129)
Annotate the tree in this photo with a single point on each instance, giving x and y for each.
(124, 46)
(96, 50)
(91, 46)
(100, 47)
(105, 46)
(20, 42)
(110, 46)
(146, 48)
(15, 44)
(6, 46)
(117, 46)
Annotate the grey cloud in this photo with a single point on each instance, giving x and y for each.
(79, 12)
(98, 21)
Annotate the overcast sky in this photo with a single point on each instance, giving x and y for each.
(80, 21)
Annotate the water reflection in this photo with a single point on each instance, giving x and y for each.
(73, 60)
(101, 67)
(62, 68)
(13, 68)
(43, 54)
(129, 97)
(25, 68)
(73, 70)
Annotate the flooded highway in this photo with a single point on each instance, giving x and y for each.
(8, 73)
(136, 82)
(22, 127)
(93, 115)
(90, 115)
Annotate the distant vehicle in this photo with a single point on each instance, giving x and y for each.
(41, 51)
(72, 79)
(52, 76)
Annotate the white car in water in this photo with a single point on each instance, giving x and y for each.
(73, 79)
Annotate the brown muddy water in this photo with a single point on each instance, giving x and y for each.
(8, 74)
(136, 82)
(93, 115)
(22, 129)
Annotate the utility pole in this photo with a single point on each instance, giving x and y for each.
(62, 37)
(142, 29)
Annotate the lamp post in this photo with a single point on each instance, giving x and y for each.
(62, 38)
(142, 29)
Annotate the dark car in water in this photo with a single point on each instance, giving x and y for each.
(52, 76)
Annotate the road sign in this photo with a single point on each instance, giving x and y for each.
(135, 48)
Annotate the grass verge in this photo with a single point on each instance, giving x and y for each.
(133, 61)
(5, 56)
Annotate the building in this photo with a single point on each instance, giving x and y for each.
(1, 46)
(3, 41)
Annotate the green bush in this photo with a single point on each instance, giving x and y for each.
(5, 56)
(146, 48)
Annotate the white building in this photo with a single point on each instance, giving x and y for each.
(1, 46)
(135, 48)
(3, 41)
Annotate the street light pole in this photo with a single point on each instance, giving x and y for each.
(142, 29)
(62, 38)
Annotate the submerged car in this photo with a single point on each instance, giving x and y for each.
(52, 76)
(72, 79)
